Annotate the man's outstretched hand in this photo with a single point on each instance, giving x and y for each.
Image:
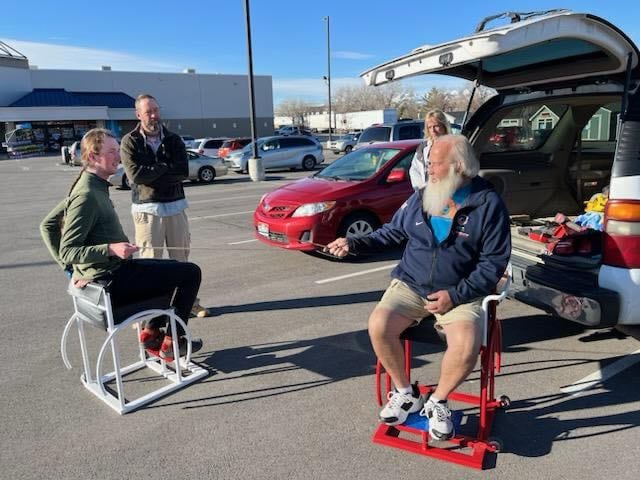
(338, 248)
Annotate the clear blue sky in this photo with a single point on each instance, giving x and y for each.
(289, 37)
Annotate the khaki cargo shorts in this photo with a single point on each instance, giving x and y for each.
(401, 299)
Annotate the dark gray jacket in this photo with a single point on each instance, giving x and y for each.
(154, 177)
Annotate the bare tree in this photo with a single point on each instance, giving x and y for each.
(358, 99)
(295, 108)
(437, 98)
(481, 95)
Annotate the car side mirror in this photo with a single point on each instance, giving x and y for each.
(397, 175)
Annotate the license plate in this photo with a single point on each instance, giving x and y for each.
(263, 229)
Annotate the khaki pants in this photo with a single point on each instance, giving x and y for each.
(401, 299)
(153, 233)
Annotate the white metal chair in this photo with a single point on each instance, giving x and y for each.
(92, 306)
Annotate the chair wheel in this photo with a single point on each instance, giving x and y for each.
(496, 444)
(505, 402)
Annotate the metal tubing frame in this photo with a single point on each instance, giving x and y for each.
(95, 384)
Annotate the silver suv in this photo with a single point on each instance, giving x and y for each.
(279, 152)
(389, 132)
(563, 129)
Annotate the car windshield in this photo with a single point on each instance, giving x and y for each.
(358, 165)
(375, 134)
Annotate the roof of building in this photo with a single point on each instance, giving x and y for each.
(59, 97)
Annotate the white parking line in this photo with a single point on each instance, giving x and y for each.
(603, 374)
(356, 274)
(243, 241)
(220, 215)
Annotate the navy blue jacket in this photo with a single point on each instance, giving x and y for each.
(468, 263)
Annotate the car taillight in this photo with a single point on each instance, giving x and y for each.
(222, 152)
(201, 152)
(621, 242)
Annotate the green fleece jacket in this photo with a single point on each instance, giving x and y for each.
(90, 225)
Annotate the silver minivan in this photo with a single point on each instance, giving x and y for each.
(562, 134)
(278, 152)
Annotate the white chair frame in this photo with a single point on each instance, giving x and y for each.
(184, 372)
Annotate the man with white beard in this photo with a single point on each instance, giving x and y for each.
(458, 247)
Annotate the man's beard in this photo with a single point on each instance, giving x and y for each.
(152, 127)
(436, 195)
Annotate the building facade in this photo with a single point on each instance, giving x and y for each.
(58, 106)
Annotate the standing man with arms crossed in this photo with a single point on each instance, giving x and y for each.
(155, 161)
(458, 247)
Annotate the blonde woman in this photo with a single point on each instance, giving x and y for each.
(84, 234)
(435, 125)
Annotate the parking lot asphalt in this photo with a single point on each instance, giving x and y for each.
(290, 391)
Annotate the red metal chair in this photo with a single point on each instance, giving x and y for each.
(463, 449)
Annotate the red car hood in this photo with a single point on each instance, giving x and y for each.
(309, 190)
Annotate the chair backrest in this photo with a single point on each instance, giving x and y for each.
(93, 305)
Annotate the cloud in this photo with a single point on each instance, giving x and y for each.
(57, 56)
(350, 55)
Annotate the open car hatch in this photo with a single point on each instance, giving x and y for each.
(533, 51)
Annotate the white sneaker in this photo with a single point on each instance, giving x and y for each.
(440, 424)
(400, 405)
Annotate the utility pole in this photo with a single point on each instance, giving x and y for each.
(326, 19)
(254, 166)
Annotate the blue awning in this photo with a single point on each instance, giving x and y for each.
(59, 97)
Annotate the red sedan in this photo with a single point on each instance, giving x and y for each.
(354, 195)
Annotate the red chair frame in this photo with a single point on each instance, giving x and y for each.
(475, 447)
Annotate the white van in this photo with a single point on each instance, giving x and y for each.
(563, 127)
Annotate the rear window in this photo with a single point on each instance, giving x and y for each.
(526, 127)
(375, 134)
(407, 132)
(213, 143)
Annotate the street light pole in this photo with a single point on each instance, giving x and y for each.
(329, 72)
(254, 165)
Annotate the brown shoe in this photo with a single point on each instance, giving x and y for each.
(199, 311)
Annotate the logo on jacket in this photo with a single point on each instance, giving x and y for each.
(461, 221)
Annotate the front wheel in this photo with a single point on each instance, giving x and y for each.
(206, 174)
(348, 149)
(358, 225)
(308, 162)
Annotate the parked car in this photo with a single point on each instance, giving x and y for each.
(570, 82)
(189, 141)
(389, 132)
(201, 169)
(344, 143)
(232, 144)
(208, 146)
(354, 195)
(279, 152)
